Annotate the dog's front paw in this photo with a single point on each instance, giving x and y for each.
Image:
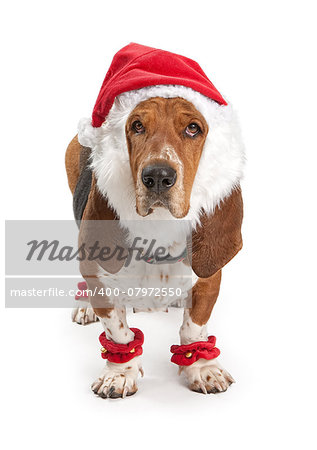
(118, 380)
(207, 377)
(84, 316)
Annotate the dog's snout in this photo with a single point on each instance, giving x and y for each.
(158, 178)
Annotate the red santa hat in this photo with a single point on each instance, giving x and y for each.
(137, 66)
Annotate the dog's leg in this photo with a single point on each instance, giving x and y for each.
(117, 380)
(84, 315)
(206, 376)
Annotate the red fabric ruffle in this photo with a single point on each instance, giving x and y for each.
(121, 353)
(185, 355)
(82, 287)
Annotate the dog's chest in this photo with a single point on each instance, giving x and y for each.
(144, 285)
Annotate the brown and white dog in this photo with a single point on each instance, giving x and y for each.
(165, 154)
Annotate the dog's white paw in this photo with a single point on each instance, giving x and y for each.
(84, 316)
(207, 376)
(118, 380)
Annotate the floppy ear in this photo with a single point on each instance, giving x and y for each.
(99, 224)
(218, 238)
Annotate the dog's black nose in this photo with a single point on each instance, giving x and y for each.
(158, 178)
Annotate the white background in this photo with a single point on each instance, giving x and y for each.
(262, 57)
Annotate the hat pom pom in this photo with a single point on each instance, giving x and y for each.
(88, 136)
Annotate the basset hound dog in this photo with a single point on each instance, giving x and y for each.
(160, 161)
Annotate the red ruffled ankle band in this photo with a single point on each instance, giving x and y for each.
(81, 292)
(185, 355)
(121, 353)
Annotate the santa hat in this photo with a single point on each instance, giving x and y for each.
(136, 67)
(138, 73)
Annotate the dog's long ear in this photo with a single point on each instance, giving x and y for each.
(218, 238)
(100, 225)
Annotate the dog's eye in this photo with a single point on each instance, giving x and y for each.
(138, 127)
(193, 129)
